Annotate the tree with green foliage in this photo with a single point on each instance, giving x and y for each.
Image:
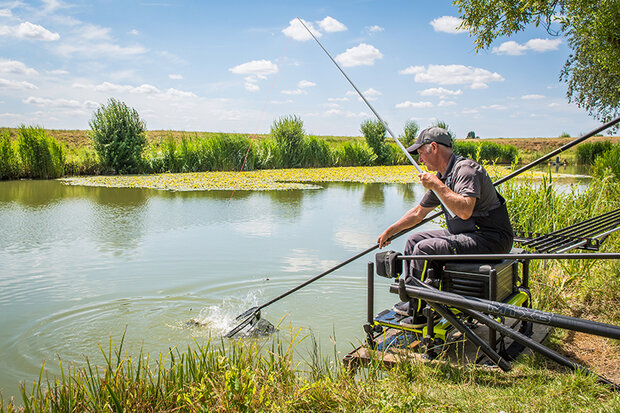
(410, 133)
(591, 27)
(119, 137)
(374, 133)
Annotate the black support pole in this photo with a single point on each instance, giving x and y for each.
(507, 310)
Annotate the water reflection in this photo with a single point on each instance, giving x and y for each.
(373, 195)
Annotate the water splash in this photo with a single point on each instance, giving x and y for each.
(220, 319)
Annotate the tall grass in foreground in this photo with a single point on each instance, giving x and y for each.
(590, 287)
(234, 376)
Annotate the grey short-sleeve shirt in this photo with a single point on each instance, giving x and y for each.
(466, 178)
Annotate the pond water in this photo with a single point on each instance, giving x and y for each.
(82, 264)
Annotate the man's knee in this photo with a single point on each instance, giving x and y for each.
(432, 246)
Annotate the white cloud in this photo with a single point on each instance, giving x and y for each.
(444, 103)
(476, 77)
(6, 13)
(17, 68)
(32, 31)
(440, 91)
(296, 30)
(260, 68)
(175, 76)
(345, 99)
(251, 87)
(15, 84)
(447, 24)
(510, 48)
(329, 24)
(294, 92)
(145, 89)
(513, 48)
(532, 97)
(305, 83)
(29, 31)
(494, 107)
(109, 87)
(411, 70)
(361, 55)
(543, 45)
(179, 94)
(60, 103)
(134, 32)
(372, 92)
(408, 104)
(375, 29)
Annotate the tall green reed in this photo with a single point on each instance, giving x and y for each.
(41, 156)
(9, 161)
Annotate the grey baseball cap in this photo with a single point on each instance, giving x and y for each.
(428, 135)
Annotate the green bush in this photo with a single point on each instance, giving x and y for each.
(317, 153)
(9, 161)
(355, 154)
(374, 133)
(41, 155)
(82, 161)
(608, 162)
(587, 152)
(410, 133)
(486, 151)
(288, 133)
(266, 154)
(119, 137)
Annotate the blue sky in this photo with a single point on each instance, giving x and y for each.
(237, 66)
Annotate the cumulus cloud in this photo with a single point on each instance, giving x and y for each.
(175, 76)
(418, 105)
(475, 77)
(361, 55)
(494, 107)
(60, 103)
(532, 97)
(305, 83)
(294, 92)
(16, 85)
(375, 29)
(16, 68)
(296, 30)
(260, 68)
(441, 92)
(256, 69)
(513, 48)
(329, 24)
(29, 31)
(447, 24)
(144, 89)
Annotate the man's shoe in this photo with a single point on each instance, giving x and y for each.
(409, 322)
(401, 308)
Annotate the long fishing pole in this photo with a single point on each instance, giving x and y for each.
(400, 145)
(253, 313)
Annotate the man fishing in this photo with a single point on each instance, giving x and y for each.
(476, 214)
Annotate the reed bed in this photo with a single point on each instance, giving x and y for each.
(257, 375)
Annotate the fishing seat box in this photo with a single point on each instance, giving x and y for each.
(495, 280)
